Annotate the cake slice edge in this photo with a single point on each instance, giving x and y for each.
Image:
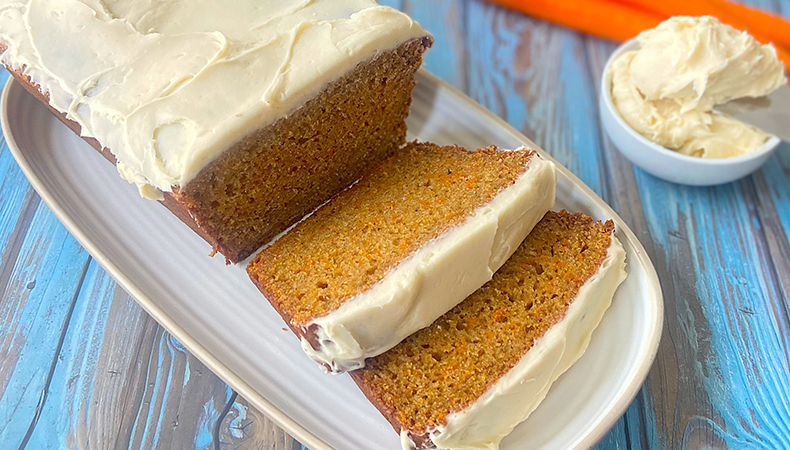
(425, 286)
(514, 396)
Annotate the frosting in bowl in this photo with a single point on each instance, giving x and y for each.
(667, 89)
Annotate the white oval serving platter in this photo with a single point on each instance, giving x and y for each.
(219, 316)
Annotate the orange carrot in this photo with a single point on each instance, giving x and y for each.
(784, 56)
(623, 19)
(604, 18)
(669, 8)
(765, 27)
(774, 27)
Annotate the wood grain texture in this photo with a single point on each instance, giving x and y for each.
(121, 382)
(445, 19)
(244, 428)
(103, 395)
(38, 298)
(82, 366)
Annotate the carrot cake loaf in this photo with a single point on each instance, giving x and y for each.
(240, 116)
(404, 245)
(467, 380)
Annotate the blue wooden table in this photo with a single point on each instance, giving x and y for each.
(82, 366)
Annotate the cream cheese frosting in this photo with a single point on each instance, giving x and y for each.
(167, 85)
(435, 278)
(518, 393)
(667, 89)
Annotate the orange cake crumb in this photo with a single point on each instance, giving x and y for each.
(352, 242)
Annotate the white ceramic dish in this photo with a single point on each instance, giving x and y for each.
(216, 312)
(667, 164)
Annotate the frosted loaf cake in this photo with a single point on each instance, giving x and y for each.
(241, 116)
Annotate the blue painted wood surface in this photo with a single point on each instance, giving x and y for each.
(82, 366)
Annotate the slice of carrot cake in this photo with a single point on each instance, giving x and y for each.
(240, 116)
(467, 380)
(401, 247)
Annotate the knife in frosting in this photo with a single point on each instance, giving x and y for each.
(770, 113)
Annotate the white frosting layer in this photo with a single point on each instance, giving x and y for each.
(435, 278)
(514, 396)
(167, 85)
(667, 89)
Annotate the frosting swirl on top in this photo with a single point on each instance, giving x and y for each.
(167, 85)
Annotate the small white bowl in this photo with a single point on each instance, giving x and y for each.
(667, 164)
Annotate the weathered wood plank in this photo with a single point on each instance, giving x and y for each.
(445, 19)
(725, 322)
(15, 196)
(35, 307)
(176, 399)
(617, 438)
(534, 75)
(122, 382)
(244, 428)
(772, 192)
(64, 420)
(772, 198)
